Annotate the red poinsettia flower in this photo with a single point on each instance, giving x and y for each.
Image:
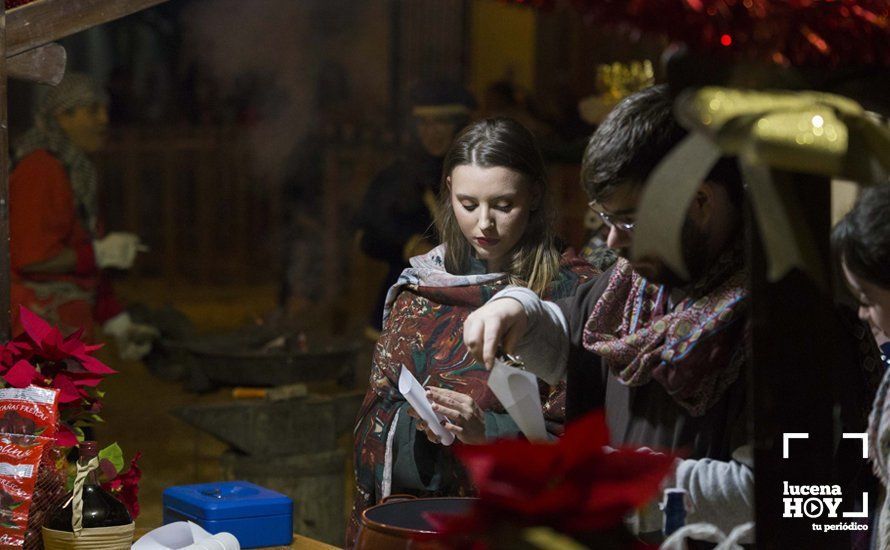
(9, 352)
(65, 436)
(47, 342)
(22, 374)
(42, 356)
(573, 486)
(126, 486)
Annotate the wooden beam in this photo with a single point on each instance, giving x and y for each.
(5, 267)
(43, 65)
(45, 21)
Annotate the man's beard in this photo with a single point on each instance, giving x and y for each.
(695, 255)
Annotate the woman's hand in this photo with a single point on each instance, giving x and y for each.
(465, 419)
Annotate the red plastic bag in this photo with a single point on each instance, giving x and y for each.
(29, 411)
(20, 457)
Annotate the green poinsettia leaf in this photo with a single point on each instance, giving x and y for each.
(15, 505)
(113, 454)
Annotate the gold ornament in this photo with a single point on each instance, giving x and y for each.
(805, 132)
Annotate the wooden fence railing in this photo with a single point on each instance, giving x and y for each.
(189, 195)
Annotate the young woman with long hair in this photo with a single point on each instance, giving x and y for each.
(495, 219)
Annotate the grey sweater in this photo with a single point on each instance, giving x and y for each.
(718, 476)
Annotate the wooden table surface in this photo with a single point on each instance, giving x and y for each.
(299, 543)
(304, 543)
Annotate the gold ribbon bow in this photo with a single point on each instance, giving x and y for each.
(805, 132)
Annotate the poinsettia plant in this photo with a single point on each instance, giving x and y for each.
(576, 487)
(124, 484)
(44, 357)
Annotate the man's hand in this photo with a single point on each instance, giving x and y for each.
(497, 324)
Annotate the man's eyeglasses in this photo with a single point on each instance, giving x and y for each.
(621, 222)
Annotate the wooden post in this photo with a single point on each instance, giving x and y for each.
(43, 65)
(44, 21)
(130, 168)
(205, 190)
(170, 208)
(5, 273)
(794, 352)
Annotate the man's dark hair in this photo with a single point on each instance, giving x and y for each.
(639, 132)
(862, 238)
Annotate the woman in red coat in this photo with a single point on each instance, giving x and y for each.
(55, 247)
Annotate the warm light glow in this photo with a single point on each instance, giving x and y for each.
(818, 121)
(726, 40)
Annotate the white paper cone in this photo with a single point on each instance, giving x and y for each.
(414, 393)
(517, 390)
(183, 535)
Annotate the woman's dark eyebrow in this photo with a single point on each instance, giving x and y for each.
(509, 196)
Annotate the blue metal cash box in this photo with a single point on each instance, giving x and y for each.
(256, 516)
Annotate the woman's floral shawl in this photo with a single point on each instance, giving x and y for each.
(423, 331)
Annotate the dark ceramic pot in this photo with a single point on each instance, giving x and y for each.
(399, 519)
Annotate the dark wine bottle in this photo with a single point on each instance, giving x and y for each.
(100, 508)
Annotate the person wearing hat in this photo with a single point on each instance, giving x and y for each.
(57, 248)
(395, 220)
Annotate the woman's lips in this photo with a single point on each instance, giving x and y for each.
(487, 242)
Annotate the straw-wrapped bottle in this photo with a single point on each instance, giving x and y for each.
(90, 517)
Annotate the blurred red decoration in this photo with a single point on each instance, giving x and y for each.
(574, 486)
(801, 32)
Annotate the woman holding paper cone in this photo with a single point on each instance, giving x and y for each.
(495, 218)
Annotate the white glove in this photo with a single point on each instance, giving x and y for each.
(133, 339)
(116, 249)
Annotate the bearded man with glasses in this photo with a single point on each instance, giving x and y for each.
(663, 356)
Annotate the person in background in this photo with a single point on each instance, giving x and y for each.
(396, 217)
(57, 247)
(495, 216)
(861, 241)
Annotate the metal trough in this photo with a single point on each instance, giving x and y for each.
(260, 355)
(275, 428)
